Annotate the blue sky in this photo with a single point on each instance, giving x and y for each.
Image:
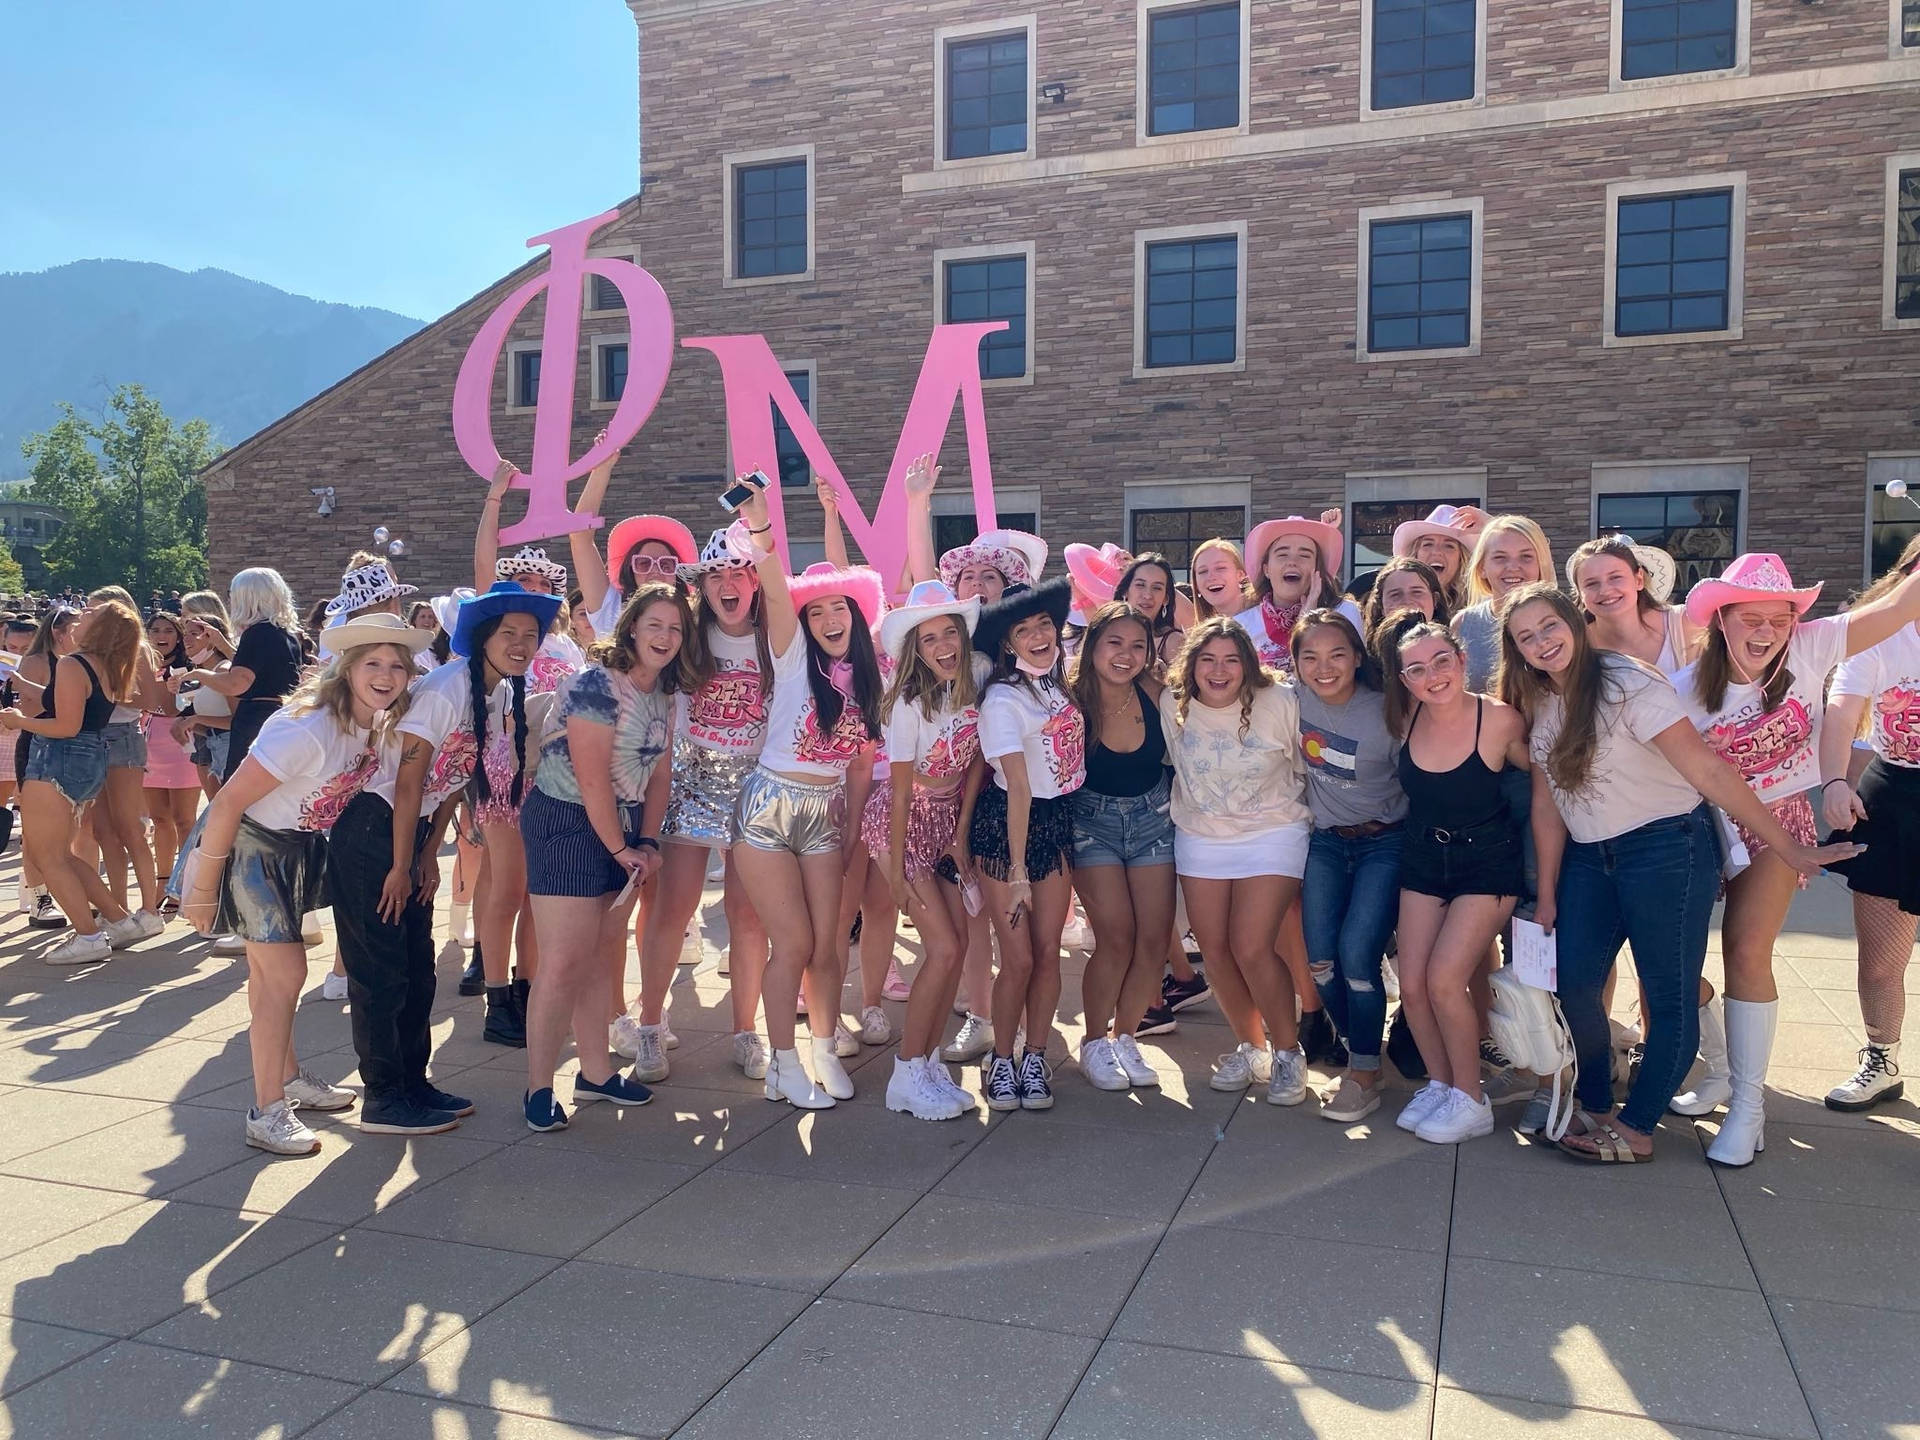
(380, 152)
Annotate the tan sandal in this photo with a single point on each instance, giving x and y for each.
(1610, 1147)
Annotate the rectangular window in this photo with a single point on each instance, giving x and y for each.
(1193, 69)
(1699, 528)
(1192, 302)
(952, 531)
(1909, 24)
(613, 372)
(1374, 521)
(987, 96)
(1678, 37)
(1178, 533)
(1673, 263)
(770, 219)
(992, 288)
(606, 295)
(1420, 283)
(794, 469)
(526, 378)
(1893, 523)
(1423, 52)
(1906, 246)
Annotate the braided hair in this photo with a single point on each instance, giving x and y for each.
(479, 789)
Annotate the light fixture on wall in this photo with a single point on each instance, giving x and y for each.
(1054, 92)
(325, 492)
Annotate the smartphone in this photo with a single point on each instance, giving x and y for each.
(741, 491)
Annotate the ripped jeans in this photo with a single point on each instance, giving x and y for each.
(1348, 908)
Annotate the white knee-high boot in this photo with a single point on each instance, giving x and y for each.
(1713, 1089)
(1749, 1045)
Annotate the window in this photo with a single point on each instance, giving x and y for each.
(1892, 520)
(992, 287)
(988, 96)
(526, 378)
(1374, 522)
(794, 466)
(605, 294)
(1696, 527)
(1900, 306)
(1676, 254)
(1659, 38)
(609, 371)
(1417, 272)
(1190, 300)
(957, 529)
(1194, 60)
(1423, 52)
(767, 202)
(1909, 22)
(1178, 533)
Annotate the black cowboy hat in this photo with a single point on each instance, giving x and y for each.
(1020, 602)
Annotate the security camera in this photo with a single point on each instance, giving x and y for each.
(325, 492)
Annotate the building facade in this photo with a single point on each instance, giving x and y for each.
(1648, 265)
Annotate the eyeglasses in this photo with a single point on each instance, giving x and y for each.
(1437, 668)
(667, 565)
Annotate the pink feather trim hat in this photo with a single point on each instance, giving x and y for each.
(859, 584)
(634, 531)
(1097, 573)
(1754, 577)
(1326, 538)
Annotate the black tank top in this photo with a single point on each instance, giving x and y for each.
(1126, 773)
(99, 707)
(1463, 798)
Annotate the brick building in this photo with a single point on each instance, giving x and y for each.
(1640, 264)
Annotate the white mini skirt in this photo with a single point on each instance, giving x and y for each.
(1281, 851)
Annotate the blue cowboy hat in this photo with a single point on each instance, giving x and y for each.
(503, 598)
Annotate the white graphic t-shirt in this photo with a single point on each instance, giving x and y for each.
(1227, 783)
(558, 659)
(1888, 674)
(941, 746)
(1777, 751)
(728, 713)
(795, 743)
(320, 767)
(1039, 720)
(440, 712)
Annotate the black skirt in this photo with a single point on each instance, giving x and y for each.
(1049, 835)
(1890, 868)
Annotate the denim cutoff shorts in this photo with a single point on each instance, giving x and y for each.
(76, 767)
(1131, 830)
(126, 746)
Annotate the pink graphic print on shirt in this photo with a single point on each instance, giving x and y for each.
(1766, 743)
(547, 674)
(833, 751)
(1066, 740)
(1897, 711)
(953, 752)
(729, 709)
(452, 765)
(321, 809)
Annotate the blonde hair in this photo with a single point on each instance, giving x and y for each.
(326, 690)
(1202, 607)
(114, 636)
(916, 683)
(260, 594)
(1521, 525)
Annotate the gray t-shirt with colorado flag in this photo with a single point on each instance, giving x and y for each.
(1349, 757)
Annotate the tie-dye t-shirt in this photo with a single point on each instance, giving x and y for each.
(642, 722)
(1889, 676)
(1777, 750)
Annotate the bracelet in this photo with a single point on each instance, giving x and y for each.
(762, 530)
(1837, 780)
(204, 856)
(646, 840)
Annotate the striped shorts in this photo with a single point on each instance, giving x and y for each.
(564, 856)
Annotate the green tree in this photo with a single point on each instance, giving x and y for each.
(13, 580)
(136, 513)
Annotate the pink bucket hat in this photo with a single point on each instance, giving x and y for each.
(1762, 576)
(1096, 573)
(859, 584)
(1459, 524)
(634, 531)
(1327, 538)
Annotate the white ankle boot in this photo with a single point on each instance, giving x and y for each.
(832, 1075)
(1749, 1045)
(1714, 1088)
(787, 1079)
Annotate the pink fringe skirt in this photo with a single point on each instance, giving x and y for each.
(932, 816)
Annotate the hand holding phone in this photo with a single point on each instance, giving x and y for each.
(743, 490)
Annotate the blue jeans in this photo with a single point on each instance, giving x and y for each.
(1348, 908)
(1654, 888)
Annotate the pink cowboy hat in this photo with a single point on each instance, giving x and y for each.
(635, 530)
(1331, 543)
(859, 584)
(1097, 572)
(1761, 576)
(1456, 523)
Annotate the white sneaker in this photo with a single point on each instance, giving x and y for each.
(1457, 1118)
(1260, 1057)
(973, 1039)
(1101, 1066)
(1877, 1079)
(310, 931)
(623, 1037)
(45, 914)
(1078, 935)
(334, 987)
(228, 945)
(874, 1026)
(1288, 1085)
(943, 1080)
(649, 1054)
(149, 923)
(278, 1131)
(828, 1073)
(845, 1047)
(78, 949)
(1422, 1105)
(124, 933)
(1233, 1070)
(912, 1091)
(1350, 1101)
(750, 1054)
(1139, 1072)
(307, 1091)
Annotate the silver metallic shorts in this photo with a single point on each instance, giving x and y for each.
(802, 819)
(706, 793)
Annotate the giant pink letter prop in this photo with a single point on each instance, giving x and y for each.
(755, 386)
(649, 357)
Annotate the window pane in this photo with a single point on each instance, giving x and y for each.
(987, 95)
(770, 219)
(613, 372)
(1423, 52)
(1906, 235)
(1419, 283)
(1192, 312)
(1178, 533)
(1673, 263)
(794, 468)
(993, 289)
(1374, 522)
(606, 295)
(1697, 528)
(1193, 69)
(1677, 37)
(526, 377)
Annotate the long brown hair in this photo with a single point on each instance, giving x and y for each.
(697, 650)
(617, 651)
(1399, 630)
(1617, 547)
(1081, 680)
(1713, 671)
(915, 682)
(1375, 610)
(1254, 676)
(1590, 681)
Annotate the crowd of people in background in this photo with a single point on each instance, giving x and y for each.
(1322, 805)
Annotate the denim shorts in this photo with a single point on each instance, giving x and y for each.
(126, 746)
(1131, 830)
(76, 767)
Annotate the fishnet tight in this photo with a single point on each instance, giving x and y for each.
(1885, 934)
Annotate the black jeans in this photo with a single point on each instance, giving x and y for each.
(389, 967)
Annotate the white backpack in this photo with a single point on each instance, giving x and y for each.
(1529, 1026)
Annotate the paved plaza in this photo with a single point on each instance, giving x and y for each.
(1171, 1266)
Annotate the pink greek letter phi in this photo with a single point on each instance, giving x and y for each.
(649, 358)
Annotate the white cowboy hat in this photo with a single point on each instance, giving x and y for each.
(927, 600)
(1659, 565)
(380, 629)
(369, 585)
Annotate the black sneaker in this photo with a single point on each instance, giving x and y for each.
(473, 979)
(506, 1022)
(1002, 1083)
(404, 1115)
(434, 1098)
(1177, 995)
(1321, 1041)
(1035, 1092)
(1492, 1057)
(1157, 1021)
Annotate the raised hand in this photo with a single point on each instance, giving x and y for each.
(922, 475)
